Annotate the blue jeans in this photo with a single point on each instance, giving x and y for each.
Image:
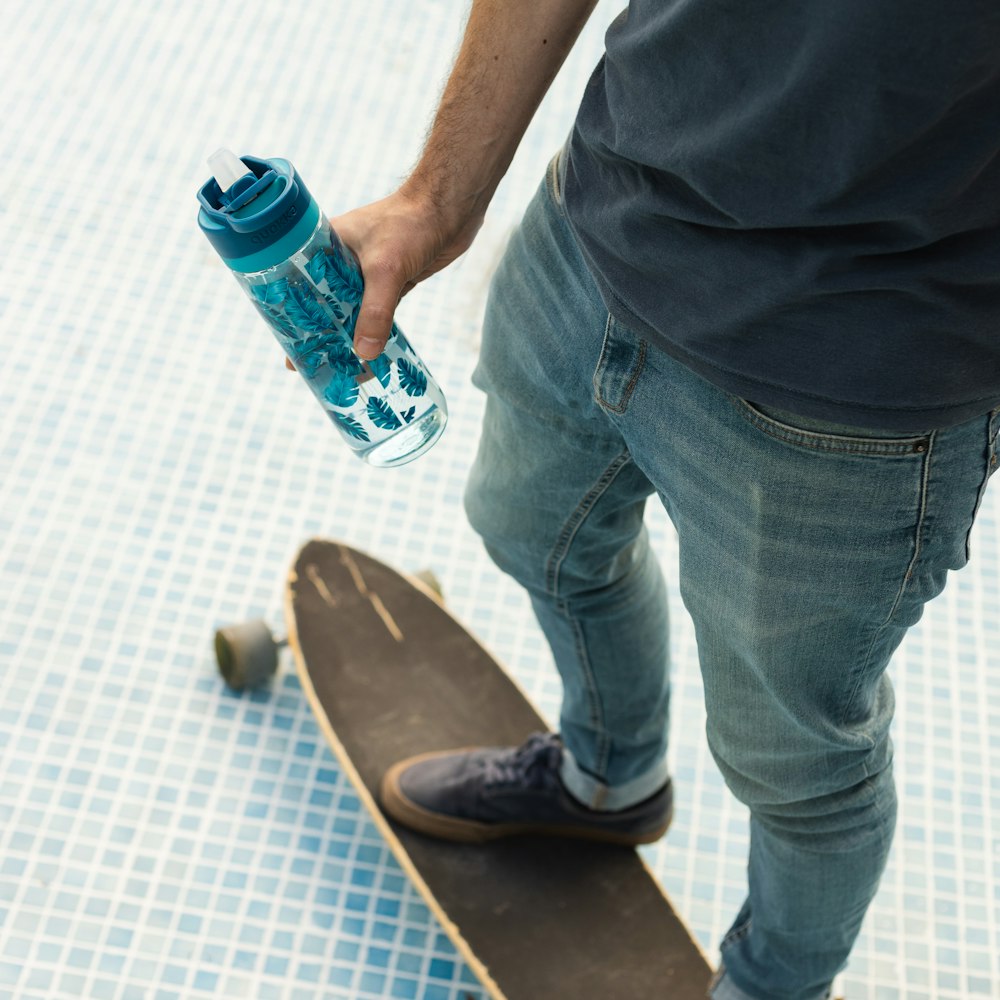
(806, 551)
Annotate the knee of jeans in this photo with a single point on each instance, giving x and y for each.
(549, 558)
(484, 509)
(504, 530)
(835, 799)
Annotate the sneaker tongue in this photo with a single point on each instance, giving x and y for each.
(533, 765)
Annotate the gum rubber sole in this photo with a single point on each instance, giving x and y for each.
(404, 810)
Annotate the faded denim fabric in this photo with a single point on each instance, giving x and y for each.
(807, 549)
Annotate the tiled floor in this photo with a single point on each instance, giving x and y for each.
(159, 836)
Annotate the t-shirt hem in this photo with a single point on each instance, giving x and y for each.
(908, 420)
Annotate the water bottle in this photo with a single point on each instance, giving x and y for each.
(307, 284)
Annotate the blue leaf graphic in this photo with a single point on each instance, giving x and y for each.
(272, 294)
(308, 357)
(346, 265)
(382, 367)
(313, 345)
(411, 378)
(396, 337)
(342, 357)
(335, 307)
(350, 426)
(341, 289)
(342, 390)
(304, 311)
(381, 415)
(307, 364)
(316, 268)
(344, 284)
(408, 414)
(278, 320)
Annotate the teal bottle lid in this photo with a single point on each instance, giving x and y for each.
(255, 212)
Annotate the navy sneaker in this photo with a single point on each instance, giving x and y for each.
(483, 793)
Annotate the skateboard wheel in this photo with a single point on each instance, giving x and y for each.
(428, 578)
(247, 654)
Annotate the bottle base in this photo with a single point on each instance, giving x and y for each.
(408, 443)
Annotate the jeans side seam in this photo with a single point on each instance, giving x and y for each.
(917, 551)
(573, 523)
(556, 558)
(921, 519)
(593, 694)
(991, 462)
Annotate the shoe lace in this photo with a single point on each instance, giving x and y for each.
(535, 764)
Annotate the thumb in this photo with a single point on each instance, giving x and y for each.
(383, 290)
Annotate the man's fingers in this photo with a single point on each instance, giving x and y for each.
(378, 306)
(381, 296)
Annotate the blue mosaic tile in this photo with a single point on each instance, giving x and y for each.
(161, 836)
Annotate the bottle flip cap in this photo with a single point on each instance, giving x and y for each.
(227, 168)
(255, 212)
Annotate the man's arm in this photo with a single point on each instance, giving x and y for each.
(510, 53)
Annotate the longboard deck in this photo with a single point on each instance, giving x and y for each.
(390, 673)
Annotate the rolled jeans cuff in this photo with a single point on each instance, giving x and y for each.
(606, 798)
(723, 988)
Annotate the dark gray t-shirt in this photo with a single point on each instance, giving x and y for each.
(800, 199)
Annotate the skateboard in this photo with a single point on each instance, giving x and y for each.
(390, 673)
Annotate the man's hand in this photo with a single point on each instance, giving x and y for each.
(399, 241)
(510, 53)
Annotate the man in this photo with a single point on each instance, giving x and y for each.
(761, 280)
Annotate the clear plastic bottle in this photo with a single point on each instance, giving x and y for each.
(307, 285)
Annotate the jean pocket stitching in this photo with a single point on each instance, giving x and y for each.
(832, 443)
(602, 367)
(737, 934)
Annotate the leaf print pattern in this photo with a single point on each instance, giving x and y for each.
(411, 379)
(280, 323)
(342, 390)
(304, 310)
(316, 268)
(346, 264)
(311, 303)
(310, 355)
(342, 357)
(271, 294)
(323, 267)
(308, 364)
(396, 337)
(382, 367)
(350, 426)
(382, 416)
